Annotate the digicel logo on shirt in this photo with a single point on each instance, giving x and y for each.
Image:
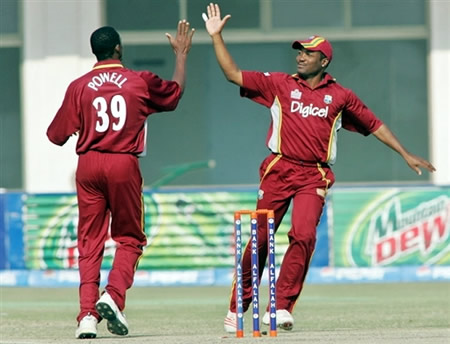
(308, 110)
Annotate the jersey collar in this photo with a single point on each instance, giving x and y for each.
(327, 78)
(108, 64)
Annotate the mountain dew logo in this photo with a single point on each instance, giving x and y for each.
(402, 229)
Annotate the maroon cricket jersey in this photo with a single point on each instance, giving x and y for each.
(108, 107)
(305, 121)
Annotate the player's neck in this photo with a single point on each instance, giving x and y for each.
(313, 80)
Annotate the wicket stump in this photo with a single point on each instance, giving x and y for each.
(255, 271)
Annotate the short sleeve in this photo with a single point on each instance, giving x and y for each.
(258, 87)
(357, 117)
(164, 95)
(67, 120)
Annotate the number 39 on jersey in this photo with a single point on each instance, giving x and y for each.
(111, 115)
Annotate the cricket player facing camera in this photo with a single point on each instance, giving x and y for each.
(307, 108)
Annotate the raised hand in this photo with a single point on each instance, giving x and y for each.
(213, 23)
(183, 40)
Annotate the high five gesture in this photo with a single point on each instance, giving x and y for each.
(181, 45)
(214, 25)
(305, 108)
(182, 42)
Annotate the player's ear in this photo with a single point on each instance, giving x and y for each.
(325, 62)
(118, 50)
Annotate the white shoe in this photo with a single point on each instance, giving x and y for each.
(107, 308)
(229, 324)
(87, 328)
(285, 320)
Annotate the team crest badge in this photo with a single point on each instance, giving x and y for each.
(296, 94)
(327, 99)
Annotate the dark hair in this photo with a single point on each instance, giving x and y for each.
(103, 42)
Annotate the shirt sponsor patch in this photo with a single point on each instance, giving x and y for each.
(327, 99)
(308, 110)
(296, 94)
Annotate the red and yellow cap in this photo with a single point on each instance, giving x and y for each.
(315, 43)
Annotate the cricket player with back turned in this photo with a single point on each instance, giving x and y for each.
(108, 108)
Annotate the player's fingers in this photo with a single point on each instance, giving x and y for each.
(217, 8)
(225, 19)
(429, 167)
(169, 37)
(425, 164)
(191, 34)
(432, 168)
(414, 166)
(179, 29)
(205, 17)
(185, 26)
(210, 10)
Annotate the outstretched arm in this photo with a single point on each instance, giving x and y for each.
(181, 45)
(385, 135)
(214, 25)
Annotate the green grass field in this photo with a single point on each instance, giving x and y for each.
(352, 313)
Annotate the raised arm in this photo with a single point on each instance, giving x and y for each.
(214, 25)
(181, 45)
(385, 135)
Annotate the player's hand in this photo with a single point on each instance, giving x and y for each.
(182, 42)
(416, 163)
(214, 25)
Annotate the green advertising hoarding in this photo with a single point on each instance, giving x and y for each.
(185, 230)
(391, 227)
